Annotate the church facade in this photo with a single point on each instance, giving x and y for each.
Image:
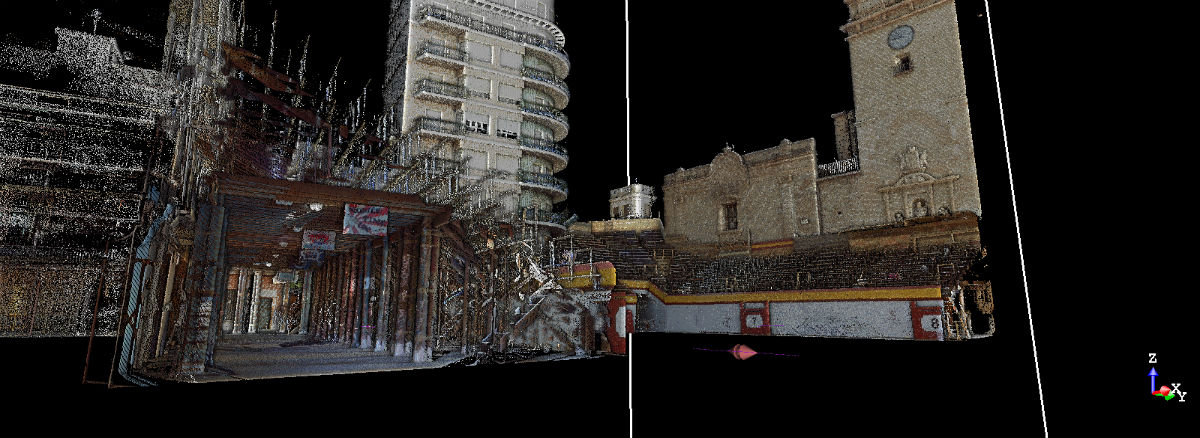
(904, 151)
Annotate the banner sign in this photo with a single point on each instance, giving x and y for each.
(365, 219)
(323, 240)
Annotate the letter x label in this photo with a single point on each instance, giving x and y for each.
(1178, 392)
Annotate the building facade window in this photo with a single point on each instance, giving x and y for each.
(477, 123)
(507, 128)
(480, 52)
(731, 218)
(510, 59)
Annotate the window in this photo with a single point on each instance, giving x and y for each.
(510, 59)
(480, 52)
(625, 211)
(509, 94)
(479, 87)
(903, 64)
(507, 128)
(731, 222)
(477, 123)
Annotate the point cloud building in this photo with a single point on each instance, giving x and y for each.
(881, 242)
(903, 152)
(482, 81)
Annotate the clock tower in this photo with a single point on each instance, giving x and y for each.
(914, 133)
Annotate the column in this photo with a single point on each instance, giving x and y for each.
(352, 315)
(384, 307)
(339, 296)
(276, 303)
(404, 291)
(466, 296)
(306, 303)
(254, 290)
(421, 350)
(239, 319)
(369, 285)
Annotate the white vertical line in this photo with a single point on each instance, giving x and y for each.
(1016, 219)
(629, 360)
(628, 179)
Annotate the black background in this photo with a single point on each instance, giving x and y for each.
(1083, 116)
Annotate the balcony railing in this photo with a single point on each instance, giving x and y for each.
(508, 100)
(432, 11)
(438, 125)
(542, 179)
(441, 88)
(837, 167)
(544, 145)
(547, 77)
(545, 111)
(556, 217)
(443, 51)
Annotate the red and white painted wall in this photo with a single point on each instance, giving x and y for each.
(888, 313)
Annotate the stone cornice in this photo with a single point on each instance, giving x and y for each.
(888, 14)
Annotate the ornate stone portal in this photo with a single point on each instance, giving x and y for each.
(917, 193)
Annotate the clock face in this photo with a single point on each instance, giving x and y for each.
(900, 37)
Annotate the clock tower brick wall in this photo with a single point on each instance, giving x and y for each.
(925, 108)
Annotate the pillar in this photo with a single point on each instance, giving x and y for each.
(369, 285)
(405, 295)
(239, 318)
(220, 278)
(276, 303)
(466, 296)
(384, 307)
(421, 349)
(306, 302)
(352, 313)
(338, 282)
(254, 290)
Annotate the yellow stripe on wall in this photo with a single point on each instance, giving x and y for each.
(847, 294)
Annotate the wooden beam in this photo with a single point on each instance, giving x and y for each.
(301, 192)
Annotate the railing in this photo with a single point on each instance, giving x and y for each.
(546, 77)
(545, 111)
(439, 125)
(542, 179)
(442, 88)
(443, 51)
(544, 145)
(837, 167)
(431, 11)
(557, 217)
(480, 94)
(508, 100)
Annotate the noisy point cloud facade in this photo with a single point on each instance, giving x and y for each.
(904, 151)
